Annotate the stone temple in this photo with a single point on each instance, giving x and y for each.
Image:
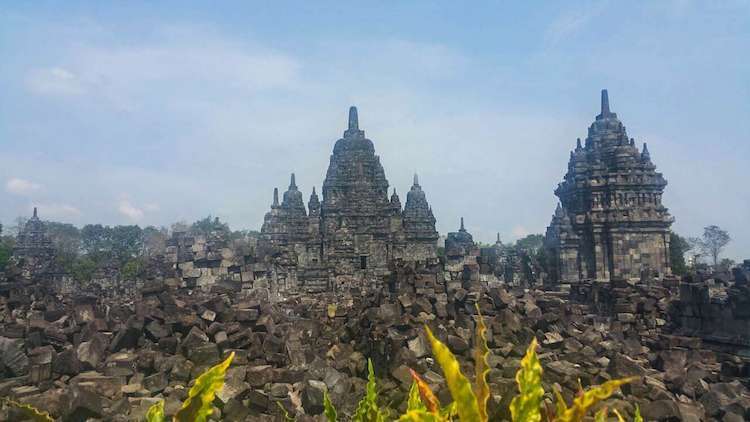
(610, 222)
(356, 233)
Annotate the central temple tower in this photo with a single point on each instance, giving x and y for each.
(356, 215)
(356, 232)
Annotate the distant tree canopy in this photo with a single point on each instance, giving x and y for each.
(678, 247)
(209, 224)
(6, 248)
(120, 243)
(81, 251)
(531, 243)
(713, 242)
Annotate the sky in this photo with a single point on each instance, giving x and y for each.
(155, 112)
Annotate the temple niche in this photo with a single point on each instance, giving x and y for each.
(610, 222)
(356, 232)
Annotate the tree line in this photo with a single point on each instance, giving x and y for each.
(80, 252)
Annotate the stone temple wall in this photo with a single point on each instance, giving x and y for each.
(639, 251)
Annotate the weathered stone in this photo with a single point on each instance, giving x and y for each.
(204, 354)
(13, 356)
(66, 362)
(155, 383)
(312, 397)
(91, 352)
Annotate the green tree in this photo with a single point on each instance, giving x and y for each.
(83, 268)
(154, 240)
(713, 242)
(6, 249)
(678, 247)
(726, 264)
(530, 243)
(132, 269)
(95, 240)
(66, 239)
(126, 241)
(209, 224)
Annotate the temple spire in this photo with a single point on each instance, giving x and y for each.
(462, 229)
(605, 103)
(35, 216)
(416, 179)
(353, 119)
(645, 154)
(292, 183)
(275, 197)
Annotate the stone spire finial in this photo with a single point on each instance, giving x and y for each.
(416, 179)
(35, 216)
(292, 183)
(605, 103)
(314, 191)
(275, 197)
(353, 119)
(498, 238)
(462, 229)
(645, 154)
(578, 144)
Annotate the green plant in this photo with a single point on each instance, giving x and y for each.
(200, 397)
(27, 411)
(527, 405)
(328, 408)
(471, 404)
(368, 409)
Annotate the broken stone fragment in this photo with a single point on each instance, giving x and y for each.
(312, 397)
(13, 357)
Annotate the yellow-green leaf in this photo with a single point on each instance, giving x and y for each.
(328, 408)
(29, 412)
(414, 402)
(560, 406)
(526, 407)
(459, 386)
(156, 412)
(619, 416)
(593, 395)
(367, 409)
(429, 400)
(200, 397)
(449, 412)
(481, 367)
(637, 417)
(420, 416)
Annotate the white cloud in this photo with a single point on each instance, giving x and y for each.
(129, 210)
(18, 186)
(572, 21)
(55, 81)
(520, 231)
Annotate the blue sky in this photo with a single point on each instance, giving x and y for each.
(153, 113)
